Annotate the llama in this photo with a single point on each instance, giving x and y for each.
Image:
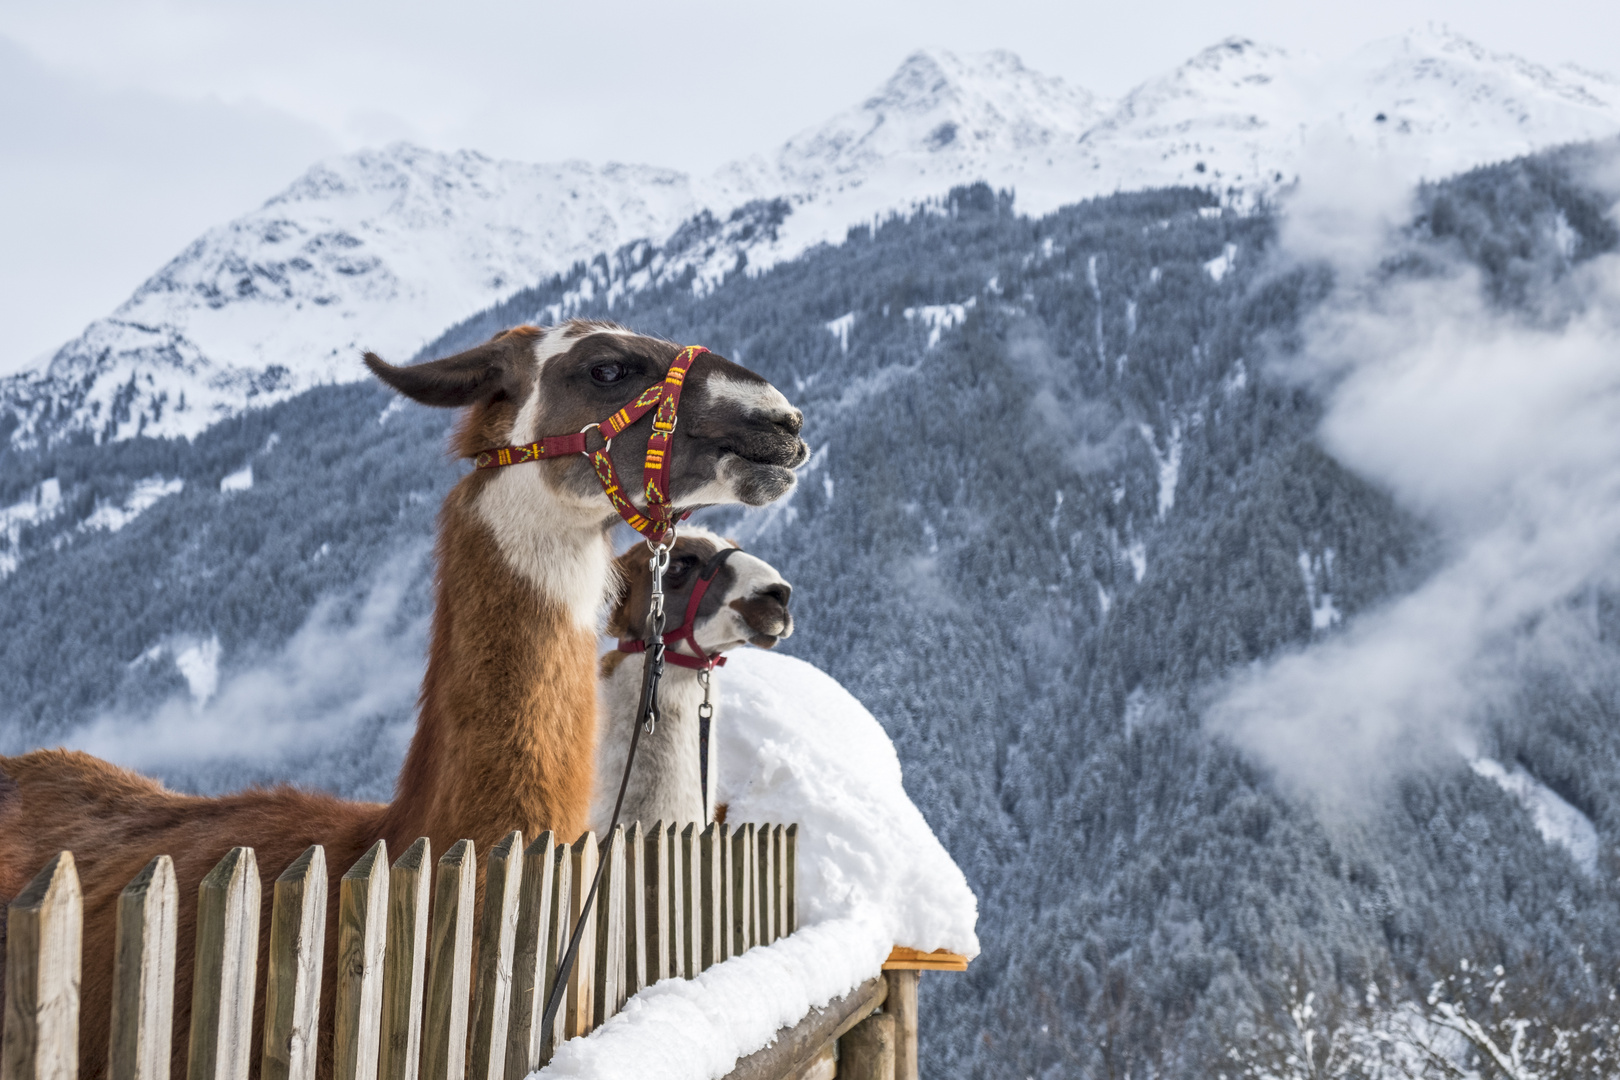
(747, 602)
(506, 728)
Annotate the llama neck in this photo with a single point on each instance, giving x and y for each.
(506, 734)
(664, 784)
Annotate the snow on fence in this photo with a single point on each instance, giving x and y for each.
(674, 901)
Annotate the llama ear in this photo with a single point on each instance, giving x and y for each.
(458, 380)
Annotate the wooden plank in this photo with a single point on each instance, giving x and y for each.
(581, 1007)
(710, 893)
(497, 937)
(607, 981)
(904, 959)
(529, 955)
(44, 948)
(790, 875)
(686, 926)
(362, 937)
(226, 959)
(794, 1048)
(562, 889)
(677, 953)
(143, 975)
(727, 897)
(866, 1051)
(779, 880)
(637, 946)
(399, 1052)
(656, 904)
(902, 1004)
(824, 1066)
(765, 888)
(444, 1030)
(292, 995)
(741, 915)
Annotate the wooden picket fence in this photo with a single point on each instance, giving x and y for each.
(674, 901)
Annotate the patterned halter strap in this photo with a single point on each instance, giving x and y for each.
(687, 631)
(658, 523)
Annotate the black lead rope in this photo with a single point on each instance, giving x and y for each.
(652, 670)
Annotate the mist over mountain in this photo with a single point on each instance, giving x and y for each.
(382, 249)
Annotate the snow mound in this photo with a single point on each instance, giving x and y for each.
(795, 746)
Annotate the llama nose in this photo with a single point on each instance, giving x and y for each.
(781, 593)
(790, 423)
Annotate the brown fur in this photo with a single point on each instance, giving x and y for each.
(506, 733)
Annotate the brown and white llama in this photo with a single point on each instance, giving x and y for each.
(507, 724)
(746, 602)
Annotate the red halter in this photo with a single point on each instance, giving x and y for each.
(687, 631)
(659, 521)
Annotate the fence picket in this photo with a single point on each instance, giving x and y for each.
(143, 975)
(226, 958)
(497, 936)
(362, 937)
(562, 889)
(741, 863)
(710, 893)
(444, 1031)
(656, 905)
(44, 944)
(580, 1007)
(529, 949)
(607, 983)
(292, 989)
(636, 948)
(399, 1053)
(765, 887)
(790, 878)
(728, 906)
(779, 879)
(681, 857)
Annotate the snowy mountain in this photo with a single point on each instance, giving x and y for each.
(383, 249)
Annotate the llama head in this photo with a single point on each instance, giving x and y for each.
(746, 603)
(737, 439)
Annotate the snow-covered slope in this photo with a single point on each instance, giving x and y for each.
(383, 249)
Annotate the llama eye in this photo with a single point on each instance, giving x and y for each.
(609, 373)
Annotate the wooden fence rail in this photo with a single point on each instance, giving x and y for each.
(675, 899)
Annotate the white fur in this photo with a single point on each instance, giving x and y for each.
(553, 538)
(759, 397)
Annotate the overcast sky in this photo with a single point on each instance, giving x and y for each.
(128, 127)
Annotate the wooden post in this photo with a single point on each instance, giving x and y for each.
(728, 905)
(444, 1034)
(764, 890)
(222, 980)
(686, 920)
(710, 893)
(405, 963)
(741, 893)
(779, 880)
(637, 906)
(656, 903)
(866, 1051)
(497, 936)
(562, 891)
(44, 944)
(292, 989)
(607, 983)
(790, 876)
(529, 956)
(580, 1007)
(902, 1005)
(143, 975)
(362, 937)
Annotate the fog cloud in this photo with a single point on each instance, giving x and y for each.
(1503, 430)
(334, 709)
